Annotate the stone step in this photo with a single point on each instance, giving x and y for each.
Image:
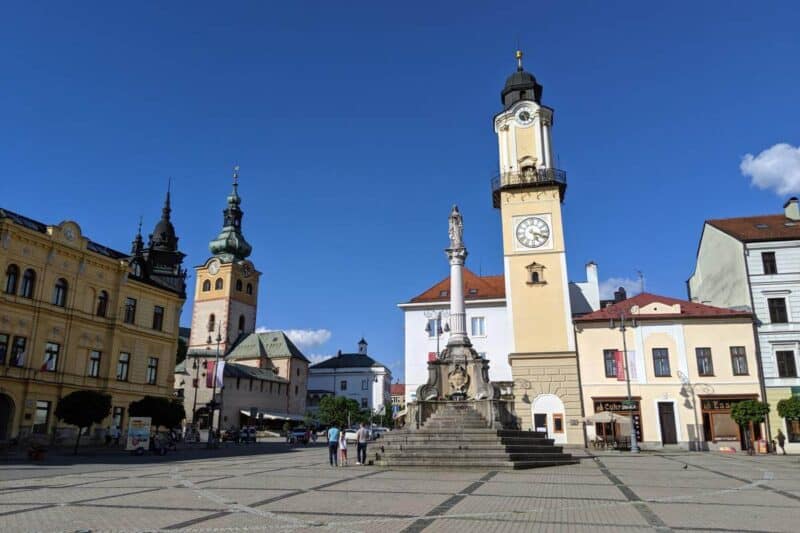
(471, 464)
(476, 455)
(453, 440)
(527, 448)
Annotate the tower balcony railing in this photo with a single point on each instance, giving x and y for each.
(528, 177)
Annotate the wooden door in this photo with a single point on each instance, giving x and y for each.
(666, 419)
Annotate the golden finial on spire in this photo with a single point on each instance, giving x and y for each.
(518, 55)
(236, 175)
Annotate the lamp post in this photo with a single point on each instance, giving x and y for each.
(623, 328)
(438, 315)
(196, 384)
(211, 438)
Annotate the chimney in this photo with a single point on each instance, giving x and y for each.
(791, 209)
(620, 295)
(591, 273)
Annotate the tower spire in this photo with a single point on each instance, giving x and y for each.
(518, 55)
(230, 244)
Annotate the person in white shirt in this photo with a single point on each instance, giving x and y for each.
(362, 436)
(342, 449)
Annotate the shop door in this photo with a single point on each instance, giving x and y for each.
(540, 422)
(666, 418)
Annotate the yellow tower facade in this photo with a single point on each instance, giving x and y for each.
(529, 192)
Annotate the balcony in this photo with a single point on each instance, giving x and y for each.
(526, 179)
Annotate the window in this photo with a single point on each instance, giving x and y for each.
(249, 288)
(12, 277)
(122, 366)
(777, 310)
(296, 390)
(60, 293)
(558, 423)
(661, 362)
(42, 417)
(786, 366)
(478, 326)
(130, 310)
(18, 352)
(364, 404)
(343, 385)
(206, 286)
(50, 362)
(158, 318)
(792, 430)
(241, 324)
(768, 260)
(239, 285)
(251, 384)
(116, 417)
(433, 328)
(364, 384)
(705, 366)
(443, 294)
(212, 322)
(298, 372)
(137, 269)
(610, 363)
(28, 284)
(94, 364)
(152, 370)
(535, 274)
(3, 348)
(739, 361)
(102, 303)
(218, 284)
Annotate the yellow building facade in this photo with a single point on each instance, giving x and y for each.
(77, 315)
(688, 363)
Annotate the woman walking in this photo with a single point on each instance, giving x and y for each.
(342, 449)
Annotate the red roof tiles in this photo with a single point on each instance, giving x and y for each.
(688, 309)
(397, 389)
(475, 288)
(759, 228)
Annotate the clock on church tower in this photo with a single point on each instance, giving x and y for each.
(226, 288)
(529, 191)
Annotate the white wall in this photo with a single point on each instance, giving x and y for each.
(719, 276)
(376, 393)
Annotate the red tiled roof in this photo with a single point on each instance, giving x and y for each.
(475, 288)
(759, 228)
(397, 389)
(688, 309)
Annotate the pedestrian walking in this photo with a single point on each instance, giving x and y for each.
(116, 433)
(342, 448)
(333, 445)
(781, 439)
(362, 436)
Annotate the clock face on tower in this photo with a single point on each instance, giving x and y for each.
(213, 267)
(524, 117)
(532, 232)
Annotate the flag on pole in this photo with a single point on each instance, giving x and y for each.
(49, 362)
(620, 365)
(210, 374)
(220, 372)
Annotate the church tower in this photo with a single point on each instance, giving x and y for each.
(529, 191)
(226, 289)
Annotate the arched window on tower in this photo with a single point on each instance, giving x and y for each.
(60, 293)
(102, 303)
(535, 274)
(212, 322)
(12, 277)
(249, 288)
(206, 286)
(239, 285)
(28, 284)
(241, 324)
(218, 284)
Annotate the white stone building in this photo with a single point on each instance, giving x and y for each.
(753, 263)
(354, 375)
(488, 323)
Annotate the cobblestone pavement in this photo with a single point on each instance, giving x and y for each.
(260, 489)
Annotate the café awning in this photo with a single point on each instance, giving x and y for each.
(272, 415)
(609, 417)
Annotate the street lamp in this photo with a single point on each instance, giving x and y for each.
(622, 328)
(689, 391)
(196, 384)
(438, 315)
(214, 391)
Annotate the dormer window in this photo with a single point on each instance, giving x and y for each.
(443, 294)
(473, 291)
(535, 274)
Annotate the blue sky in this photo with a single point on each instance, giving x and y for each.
(357, 126)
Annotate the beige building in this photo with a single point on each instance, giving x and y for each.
(76, 315)
(688, 364)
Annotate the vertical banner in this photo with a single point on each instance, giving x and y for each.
(210, 374)
(220, 372)
(620, 365)
(632, 365)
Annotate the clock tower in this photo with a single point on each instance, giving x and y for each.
(226, 289)
(529, 191)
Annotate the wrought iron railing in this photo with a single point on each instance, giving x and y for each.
(525, 178)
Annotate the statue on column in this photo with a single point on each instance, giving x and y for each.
(456, 231)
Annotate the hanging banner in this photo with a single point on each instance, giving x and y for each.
(632, 366)
(210, 374)
(220, 372)
(620, 365)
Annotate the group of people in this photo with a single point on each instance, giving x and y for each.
(113, 433)
(337, 445)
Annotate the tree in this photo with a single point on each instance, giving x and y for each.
(789, 408)
(748, 412)
(340, 411)
(167, 412)
(83, 408)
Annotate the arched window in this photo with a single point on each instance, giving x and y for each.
(218, 284)
(102, 303)
(249, 288)
(12, 277)
(28, 284)
(137, 270)
(239, 285)
(60, 293)
(212, 322)
(206, 286)
(241, 324)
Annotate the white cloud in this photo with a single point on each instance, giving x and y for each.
(607, 287)
(304, 338)
(776, 168)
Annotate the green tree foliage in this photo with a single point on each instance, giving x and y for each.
(335, 410)
(789, 408)
(749, 412)
(83, 408)
(167, 412)
(180, 356)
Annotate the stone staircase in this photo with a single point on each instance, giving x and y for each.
(459, 437)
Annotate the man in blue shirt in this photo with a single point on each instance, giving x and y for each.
(333, 445)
